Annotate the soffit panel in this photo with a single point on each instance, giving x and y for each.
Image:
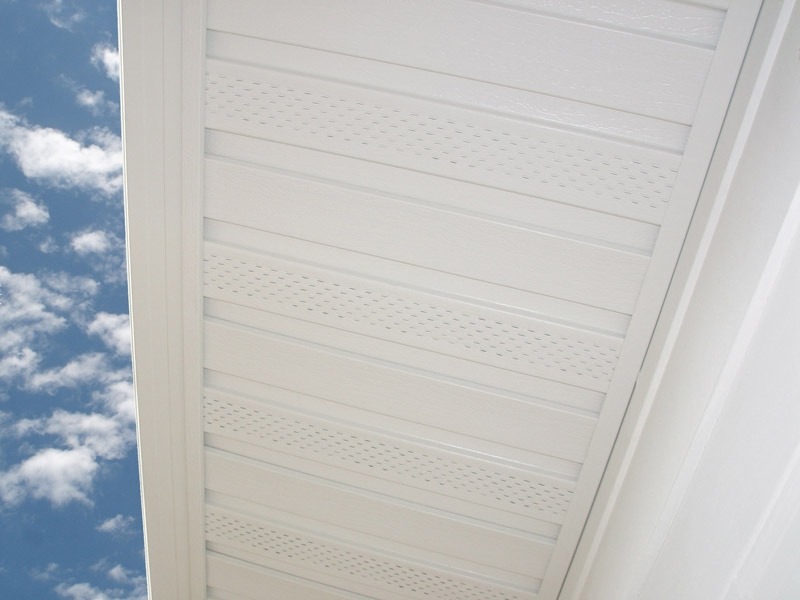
(435, 238)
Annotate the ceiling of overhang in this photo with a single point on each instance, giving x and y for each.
(423, 246)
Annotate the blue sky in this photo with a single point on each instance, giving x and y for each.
(69, 497)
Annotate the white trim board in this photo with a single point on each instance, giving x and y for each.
(161, 45)
(737, 242)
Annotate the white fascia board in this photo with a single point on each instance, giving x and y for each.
(708, 311)
(161, 51)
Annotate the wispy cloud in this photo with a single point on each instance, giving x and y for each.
(79, 443)
(118, 399)
(89, 242)
(32, 310)
(106, 57)
(26, 212)
(102, 435)
(120, 574)
(92, 160)
(18, 361)
(48, 245)
(117, 525)
(95, 102)
(126, 584)
(64, 467)
(81, 591)
(103, 251)
(47, 573)
(136, 589)
(64, 15)
(29, 307)
(86, 368)
(74, 287)
(113, 330)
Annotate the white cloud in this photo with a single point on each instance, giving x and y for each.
(95, 102)
(117, 525)
(136, 589)
(114, 330)
(30, 313)
(19, 361)
(81, 591)
(67, 473)
(32, 309)
(90, 99)
(85, 368)
(103, 251)
(64, 15)
(48, 245)
(92, 161)
(90, 242)
(27, 212)
(119, 573)
(104, 436)
(65, 283)
(46, 574)
(118, 399)
(53, 474)
(106, 57)
(28, 299)
(127, 585)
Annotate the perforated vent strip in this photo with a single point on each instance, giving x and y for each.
(518, 348)
(444, 145)
(378, 571)
(388, 459)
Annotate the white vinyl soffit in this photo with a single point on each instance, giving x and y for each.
(394, 268)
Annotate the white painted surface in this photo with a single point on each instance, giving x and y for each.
(447, 141)
(161, 48)
(536, 347)
(769, 564)
(713, 468)
(420, 265)
(754, 442)
(546, 216)
(448, 89)
(387, 388)
(435, 239)
(667, 19)
(375, 515)
(619, 70)
(512, 300)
